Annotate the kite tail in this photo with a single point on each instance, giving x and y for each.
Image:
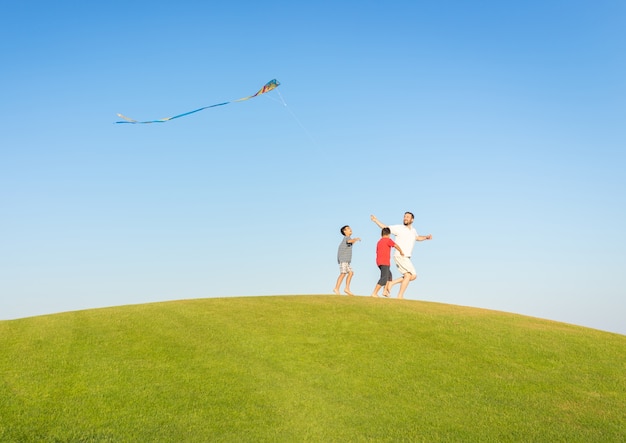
(128, 120)
(272, 84)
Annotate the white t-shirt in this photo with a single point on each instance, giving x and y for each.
(405, 238)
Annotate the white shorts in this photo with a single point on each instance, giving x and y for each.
(404, 264)
(344, 268)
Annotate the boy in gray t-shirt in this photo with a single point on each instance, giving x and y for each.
(344, 257)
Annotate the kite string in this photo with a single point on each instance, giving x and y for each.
(282, 100)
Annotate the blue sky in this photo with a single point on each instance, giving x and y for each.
(500, 125)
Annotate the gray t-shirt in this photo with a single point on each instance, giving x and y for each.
(344, 254)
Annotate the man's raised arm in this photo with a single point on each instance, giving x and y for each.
(375, 220)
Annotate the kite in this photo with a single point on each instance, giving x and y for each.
(272, 84)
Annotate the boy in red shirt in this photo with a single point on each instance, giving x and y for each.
(383, 260)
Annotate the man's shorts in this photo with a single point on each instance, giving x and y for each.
(344, 268)
(404, 264)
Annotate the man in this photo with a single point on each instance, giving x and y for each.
(406, 236)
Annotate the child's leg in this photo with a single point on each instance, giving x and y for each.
(385, 279)
(387, 288)
(376, 289)
(348, 280)
(339, 280)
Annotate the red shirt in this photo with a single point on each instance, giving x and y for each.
(383, 251)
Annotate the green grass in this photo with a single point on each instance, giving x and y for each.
(308, 368)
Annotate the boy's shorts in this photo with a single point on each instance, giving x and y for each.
(344, 268)
(385, 275)
(404, 264)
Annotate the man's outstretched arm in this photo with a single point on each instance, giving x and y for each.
(375, 220)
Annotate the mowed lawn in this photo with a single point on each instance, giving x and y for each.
(308, 368)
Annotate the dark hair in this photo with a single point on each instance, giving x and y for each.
(411, 214)
(385, 231)
(343, 228)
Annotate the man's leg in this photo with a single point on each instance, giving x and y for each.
(408, 274)
(408, 277)
(392, 283)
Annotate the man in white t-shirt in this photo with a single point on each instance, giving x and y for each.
(406, 236)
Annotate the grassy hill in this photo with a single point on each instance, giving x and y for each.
(308, 368)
